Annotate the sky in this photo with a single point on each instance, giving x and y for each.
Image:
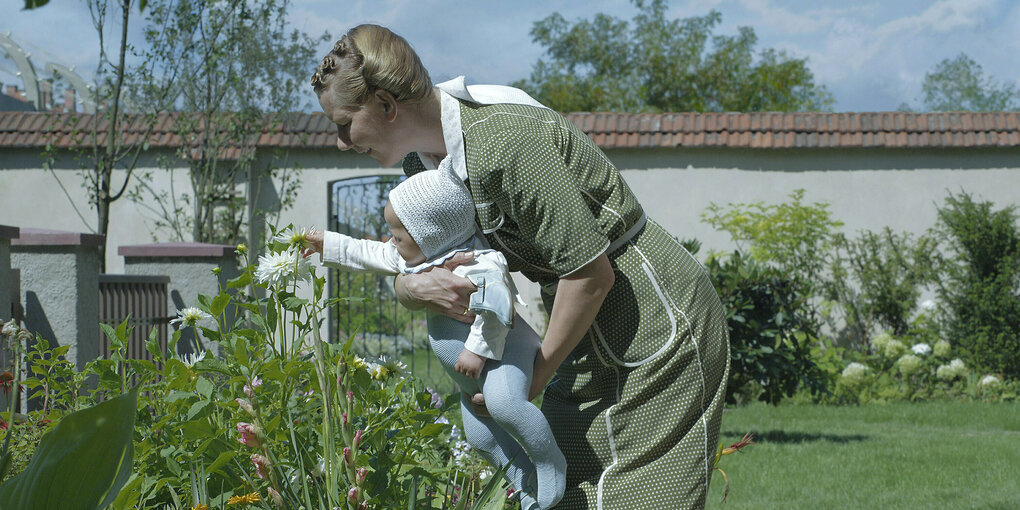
(872, 55)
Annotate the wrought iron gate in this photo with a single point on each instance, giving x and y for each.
(381, 326)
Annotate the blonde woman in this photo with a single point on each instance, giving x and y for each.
(637, 337)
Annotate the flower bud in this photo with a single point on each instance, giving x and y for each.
(343, 418)
(362, 473)
(262, 465)
(363, 506)
(216, 270)
(348, 456)
(352, 495)
(249, 435)
(241, 249)
(10, 329)
(276, 497)
(246, 406)
(357, 440)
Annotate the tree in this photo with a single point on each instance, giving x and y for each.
(245, 69)
(654, 64)
(100, 157)
(959, 84)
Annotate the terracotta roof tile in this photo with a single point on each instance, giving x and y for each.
(760, 130)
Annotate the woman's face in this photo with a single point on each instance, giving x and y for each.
(367, 128)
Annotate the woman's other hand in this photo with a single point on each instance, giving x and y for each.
(439, 290)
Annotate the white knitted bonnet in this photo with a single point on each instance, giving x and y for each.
(436, 209)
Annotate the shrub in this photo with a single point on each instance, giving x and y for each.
(770, 330)
(875, 280)
(795, 237)
(979, 282)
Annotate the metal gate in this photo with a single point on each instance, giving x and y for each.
(380, 325)
(144, 300)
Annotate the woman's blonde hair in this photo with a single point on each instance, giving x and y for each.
(367, 58)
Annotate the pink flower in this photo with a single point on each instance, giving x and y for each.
(352, 495)
(249, 389)
(357, 439)
(348, 457)
(262, 465)
(249, 434)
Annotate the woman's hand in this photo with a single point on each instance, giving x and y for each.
(439, 289)
(578, 299)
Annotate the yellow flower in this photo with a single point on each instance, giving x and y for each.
(247, 498)
(200, 506)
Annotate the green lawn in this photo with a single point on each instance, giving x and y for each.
(911, 456)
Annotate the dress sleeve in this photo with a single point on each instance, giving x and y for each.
(531, 183)
(359, 255)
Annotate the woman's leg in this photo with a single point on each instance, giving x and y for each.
(505, 384)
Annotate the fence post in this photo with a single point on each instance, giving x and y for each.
(189, 266)
(59, 274)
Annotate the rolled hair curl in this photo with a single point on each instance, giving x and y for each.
(368, 58)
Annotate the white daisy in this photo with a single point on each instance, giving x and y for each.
(293, 237)
(280, 266)
(190, 317)
(191, 358)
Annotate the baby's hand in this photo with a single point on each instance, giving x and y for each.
(470, 364)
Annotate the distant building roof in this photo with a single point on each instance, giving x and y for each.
(609, 130)
(11, 104)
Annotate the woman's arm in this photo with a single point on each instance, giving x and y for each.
(578, 299)
(438, 289)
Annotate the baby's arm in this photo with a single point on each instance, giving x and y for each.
(360, 255)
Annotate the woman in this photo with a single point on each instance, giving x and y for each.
(636, 337)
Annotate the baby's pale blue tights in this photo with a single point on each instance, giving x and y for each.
(515, 421)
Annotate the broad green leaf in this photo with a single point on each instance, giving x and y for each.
(219, 304)
(81, 464)
(196, 408)
(240, 281)
(220, 461)
(204, 387)
(111, 334)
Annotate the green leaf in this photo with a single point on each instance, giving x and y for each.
(111, 334)
(82, 463)
(219, 304)
(196, 408)
(240, 281)
(152, 345)
(204, 387)
(32, 4)
(220, 461)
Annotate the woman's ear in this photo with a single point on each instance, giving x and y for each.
(389, 104)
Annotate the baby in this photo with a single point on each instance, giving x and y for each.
(431, 218)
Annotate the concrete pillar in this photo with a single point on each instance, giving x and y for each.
(8, 281)
(59, 296)
(189, 266)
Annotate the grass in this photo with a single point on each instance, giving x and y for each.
(954, 455)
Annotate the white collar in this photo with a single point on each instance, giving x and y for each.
(453, 134)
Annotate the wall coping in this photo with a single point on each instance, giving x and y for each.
(9, 232)
(45, 237)
(176, 250)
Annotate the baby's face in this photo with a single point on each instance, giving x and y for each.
(406, 247)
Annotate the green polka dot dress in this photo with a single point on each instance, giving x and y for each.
(636, 407)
